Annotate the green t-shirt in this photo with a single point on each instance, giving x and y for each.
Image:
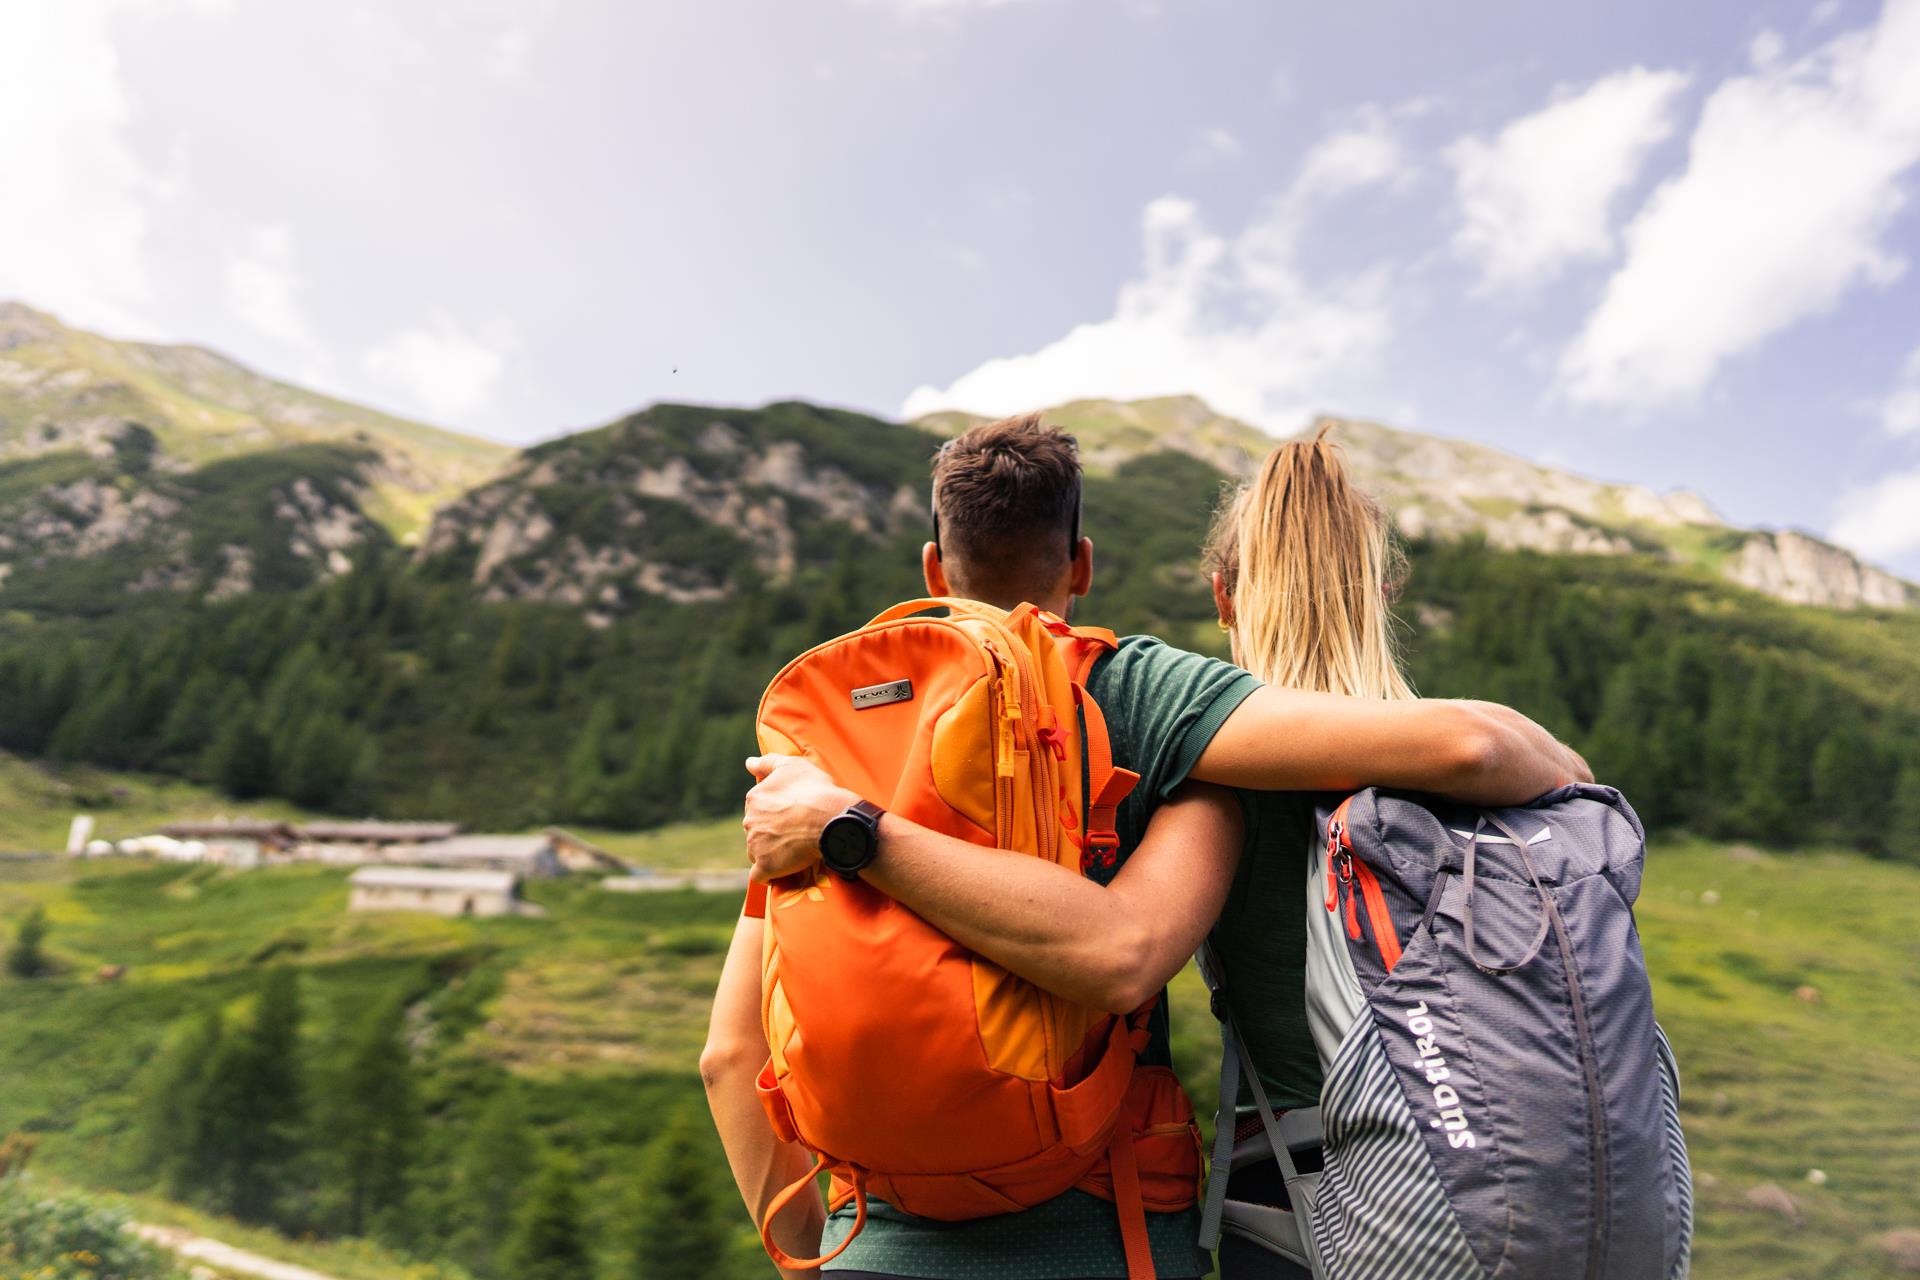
(1261, 939)
(1162, 707)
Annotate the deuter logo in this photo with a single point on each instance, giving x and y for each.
(1446, 1099)
(879, 695)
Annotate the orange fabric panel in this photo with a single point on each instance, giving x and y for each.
(1015, 1029)
(961, 758)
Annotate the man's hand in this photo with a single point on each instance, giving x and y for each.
(790, 804)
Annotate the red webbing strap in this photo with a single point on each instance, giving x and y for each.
(1129, 1204)
(781, 1258)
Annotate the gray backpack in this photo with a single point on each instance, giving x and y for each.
(1497, 1099)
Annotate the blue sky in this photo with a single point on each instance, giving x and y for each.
(1657, 242)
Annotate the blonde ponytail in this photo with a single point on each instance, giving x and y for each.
(1309, 564)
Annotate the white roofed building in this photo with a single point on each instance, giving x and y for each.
(523, 855)
(437, 891)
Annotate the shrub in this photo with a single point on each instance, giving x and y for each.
(51, 1236)
(27, 957)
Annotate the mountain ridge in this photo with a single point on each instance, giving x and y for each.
(1448, 488)
(144, 467)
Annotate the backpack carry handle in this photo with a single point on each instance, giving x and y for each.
(907, 608)
(781, 1258)
(1546, 899)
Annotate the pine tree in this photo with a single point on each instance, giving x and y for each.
(1903, 821)
(678, 1230)
(320, 762)
(239, 760)
(1849, 792)
(493, 1168)
(27, 957)
(252, 1126)
(510, 665)
(549, 1239)
(172, 1100)
(584, 790)
(100, 727)
(373, 1117)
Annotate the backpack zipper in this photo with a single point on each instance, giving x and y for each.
(1360, 882)
(1039, 762)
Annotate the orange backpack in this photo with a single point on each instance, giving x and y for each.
(913, 1069)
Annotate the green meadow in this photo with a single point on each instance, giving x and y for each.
(1787, 982)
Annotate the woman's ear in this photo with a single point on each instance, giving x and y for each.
(1222, 602)
(934, 572)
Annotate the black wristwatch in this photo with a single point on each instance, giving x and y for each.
(848, 843)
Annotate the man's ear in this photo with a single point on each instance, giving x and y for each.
(1222, 602)
(1082, 568)
(934, 572)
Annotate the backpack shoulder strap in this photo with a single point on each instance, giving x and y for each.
(1107, 783)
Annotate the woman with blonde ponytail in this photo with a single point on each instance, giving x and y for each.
(1304, 570)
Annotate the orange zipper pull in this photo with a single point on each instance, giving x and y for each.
(1353, 913)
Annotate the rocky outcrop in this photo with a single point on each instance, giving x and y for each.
(673, 503)
(1804, 570)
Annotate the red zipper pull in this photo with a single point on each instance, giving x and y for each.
(1333, 864)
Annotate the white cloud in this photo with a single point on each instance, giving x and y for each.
(441, 368)
(1881, 520)
(73, 197)
(1214, 147)
(262, 287)
(1537, 196)
(1235, 320)
(1766, 48)
(1364, 154)
(1792, 178)
(1900, 411)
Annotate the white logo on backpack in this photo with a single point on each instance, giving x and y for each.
(1446, 1099)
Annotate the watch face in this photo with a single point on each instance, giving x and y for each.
(844, 842)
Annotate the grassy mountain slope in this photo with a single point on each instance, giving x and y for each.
(131, 466)
(597, 1010)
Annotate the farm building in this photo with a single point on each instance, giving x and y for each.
(242, 844)
(438, 891)
(576, 854)
(523, 855)
(442, 844)
(354, 844)
(374, 835)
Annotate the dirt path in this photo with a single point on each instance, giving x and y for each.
(192, 1248)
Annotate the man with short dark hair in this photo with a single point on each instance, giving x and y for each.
(1006, 513)
(1006, 510)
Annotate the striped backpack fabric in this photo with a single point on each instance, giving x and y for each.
(1497, 1100)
